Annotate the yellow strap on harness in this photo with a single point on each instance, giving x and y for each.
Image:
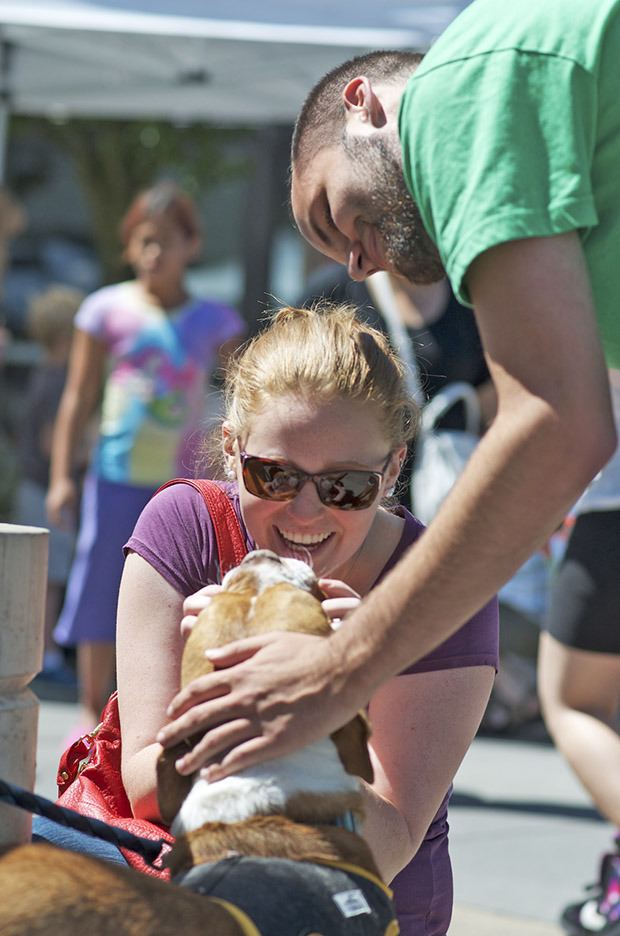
(239, 916)
(361, 872)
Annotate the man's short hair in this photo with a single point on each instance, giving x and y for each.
(321, 119)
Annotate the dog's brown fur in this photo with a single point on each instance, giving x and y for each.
(238, 613)
(51, 892)
(57, 891)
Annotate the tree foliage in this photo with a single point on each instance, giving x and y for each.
(115, 159)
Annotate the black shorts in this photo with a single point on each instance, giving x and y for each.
(584, 610)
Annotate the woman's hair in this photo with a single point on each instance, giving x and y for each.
(51, 314)
(320, 353)
(165, 198)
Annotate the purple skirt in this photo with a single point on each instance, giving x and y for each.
(108, 515)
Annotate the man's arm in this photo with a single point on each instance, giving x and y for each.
(552, 433)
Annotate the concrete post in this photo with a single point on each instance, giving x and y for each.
(23, 578)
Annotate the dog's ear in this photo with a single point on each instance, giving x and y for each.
(172, 788)
(352, 743)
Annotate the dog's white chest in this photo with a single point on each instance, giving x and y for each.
(265, 788)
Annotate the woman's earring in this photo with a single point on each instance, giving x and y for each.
(230, 473)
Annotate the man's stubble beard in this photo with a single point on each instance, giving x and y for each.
(392, 211)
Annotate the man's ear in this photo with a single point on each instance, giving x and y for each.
(362, 103)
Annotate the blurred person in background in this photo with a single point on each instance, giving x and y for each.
(50, 323)
(146, 349)
(579, 674)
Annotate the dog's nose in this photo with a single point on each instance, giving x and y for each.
(259, 555)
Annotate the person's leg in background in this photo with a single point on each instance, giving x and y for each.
(96, 664)
(579, 689)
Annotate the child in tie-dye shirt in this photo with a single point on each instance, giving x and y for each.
(145, 348)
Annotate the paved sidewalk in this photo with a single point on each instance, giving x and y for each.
(468, 922)
(524, 838)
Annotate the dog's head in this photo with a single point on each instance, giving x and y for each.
(264, 593)
(262, 568)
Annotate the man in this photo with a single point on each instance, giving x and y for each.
(495, 159)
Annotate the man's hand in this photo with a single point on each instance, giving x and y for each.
(270, 695)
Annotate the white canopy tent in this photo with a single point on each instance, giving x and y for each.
(237, 62)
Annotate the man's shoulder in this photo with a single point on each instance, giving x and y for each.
(526, 27)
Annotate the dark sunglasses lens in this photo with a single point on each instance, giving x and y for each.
(268, 480)
(349, 490)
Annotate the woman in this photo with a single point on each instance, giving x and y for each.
(317, 422)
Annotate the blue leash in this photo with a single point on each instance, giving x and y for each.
(148, 849)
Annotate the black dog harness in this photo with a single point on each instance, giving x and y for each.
(280, 897)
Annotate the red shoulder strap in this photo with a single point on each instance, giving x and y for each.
(230, 540)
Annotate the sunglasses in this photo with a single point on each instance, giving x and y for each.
(348, 489)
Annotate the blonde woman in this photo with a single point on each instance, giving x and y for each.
(316, 427)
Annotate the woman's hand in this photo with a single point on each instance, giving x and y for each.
(194, 604)
(341, 600)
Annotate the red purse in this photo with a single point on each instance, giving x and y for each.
(89, 773)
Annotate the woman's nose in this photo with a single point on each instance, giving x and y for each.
(306, 503)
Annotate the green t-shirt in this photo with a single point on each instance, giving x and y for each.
(510, 128)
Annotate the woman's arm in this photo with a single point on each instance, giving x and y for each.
(148, 648)
(78, 401)
(422, 725)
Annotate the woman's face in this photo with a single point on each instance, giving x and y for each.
(314, 438)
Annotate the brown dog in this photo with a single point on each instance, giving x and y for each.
(236, 835)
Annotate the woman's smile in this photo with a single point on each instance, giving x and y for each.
(303, 539)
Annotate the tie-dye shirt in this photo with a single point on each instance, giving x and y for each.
(157, 368)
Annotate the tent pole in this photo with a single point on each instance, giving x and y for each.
(5, 110)
(263, 214)
(4, 133)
